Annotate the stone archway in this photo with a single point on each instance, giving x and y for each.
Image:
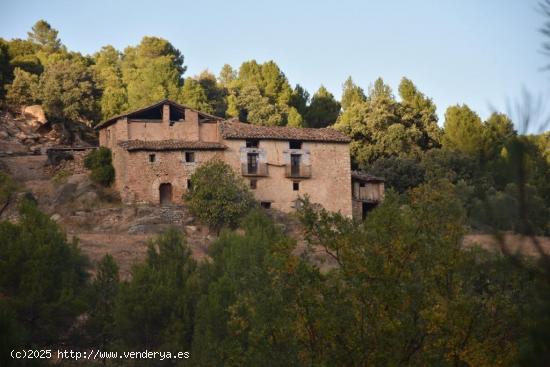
(165, 193)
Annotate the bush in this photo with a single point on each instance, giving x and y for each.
(42, 276)
(218, 196)
(100, 163)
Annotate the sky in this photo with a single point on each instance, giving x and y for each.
(481, 53)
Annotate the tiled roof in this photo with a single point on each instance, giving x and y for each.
(232, 129)
(133, 145)
(363, 176)
(154, 105)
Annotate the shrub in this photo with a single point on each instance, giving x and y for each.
(218, 196)
(42, 276)
(100, 163)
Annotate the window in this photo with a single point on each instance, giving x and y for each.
(189, 157)
(189, 185)
(252, 163)
(152, 158)
(108, 133)
(252, 143)
(253, 184)
(295, 186)
(295, 144)
(361, 184)
(295, 164)
(265, 204)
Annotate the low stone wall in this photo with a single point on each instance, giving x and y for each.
(67, 159)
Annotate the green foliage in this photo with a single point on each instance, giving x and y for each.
(419, 111)
(400, 174)
(45, 36)
(7, 187)
(108, 77)
(299, 99)
(247, 314)
(99, 161)
(194, 96)
(402, 278)
(323, 110)
(219, 197)
(67, 90)
(155, 309)
(215, 93)
(42, 275)
(463, 131)
(352, 94)
(5, 72)
(204, 94)
(260, 94)
(104, 290)
(23, 91)
(152, 71)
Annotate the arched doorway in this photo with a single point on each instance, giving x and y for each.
(165, 193)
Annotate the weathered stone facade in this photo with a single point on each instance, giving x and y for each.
(157, 149)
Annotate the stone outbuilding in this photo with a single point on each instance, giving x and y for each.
(156, 149)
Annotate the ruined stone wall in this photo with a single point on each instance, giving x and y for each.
(329, 185)
(187, 129)
(71, 161)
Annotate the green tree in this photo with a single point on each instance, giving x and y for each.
(42, 277)
(257, 109)
(23, 54)
(419, 111)
(299, 99)
(400, 174)
(215, 92)
(156, 308)
(498, 130)
(108, 78)
(67, 90)
(352, 94)
(104, 290)
(259, 93)
(152, 71)
(194, 95)
(463, 131)
(5, 70)
(45, 36)
(227, 76)
(247, 314)
(403, 278)
(323, 110)
(218, 196)
(23, 91)
(99, 162)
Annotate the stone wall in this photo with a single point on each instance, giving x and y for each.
(138, 179)
(67, 160)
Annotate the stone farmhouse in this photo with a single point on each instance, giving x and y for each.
(157, 148)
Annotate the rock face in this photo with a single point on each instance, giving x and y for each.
(36, 113)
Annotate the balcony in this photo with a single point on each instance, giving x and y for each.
(297, 171)
(370, 193)
(259, 169)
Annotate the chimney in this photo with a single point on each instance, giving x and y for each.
(166, 114)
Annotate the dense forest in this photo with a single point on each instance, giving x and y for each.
(404, 291)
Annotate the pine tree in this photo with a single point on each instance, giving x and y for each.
(323, 110)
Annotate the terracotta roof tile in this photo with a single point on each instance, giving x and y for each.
(232, 129)
(133, 145)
